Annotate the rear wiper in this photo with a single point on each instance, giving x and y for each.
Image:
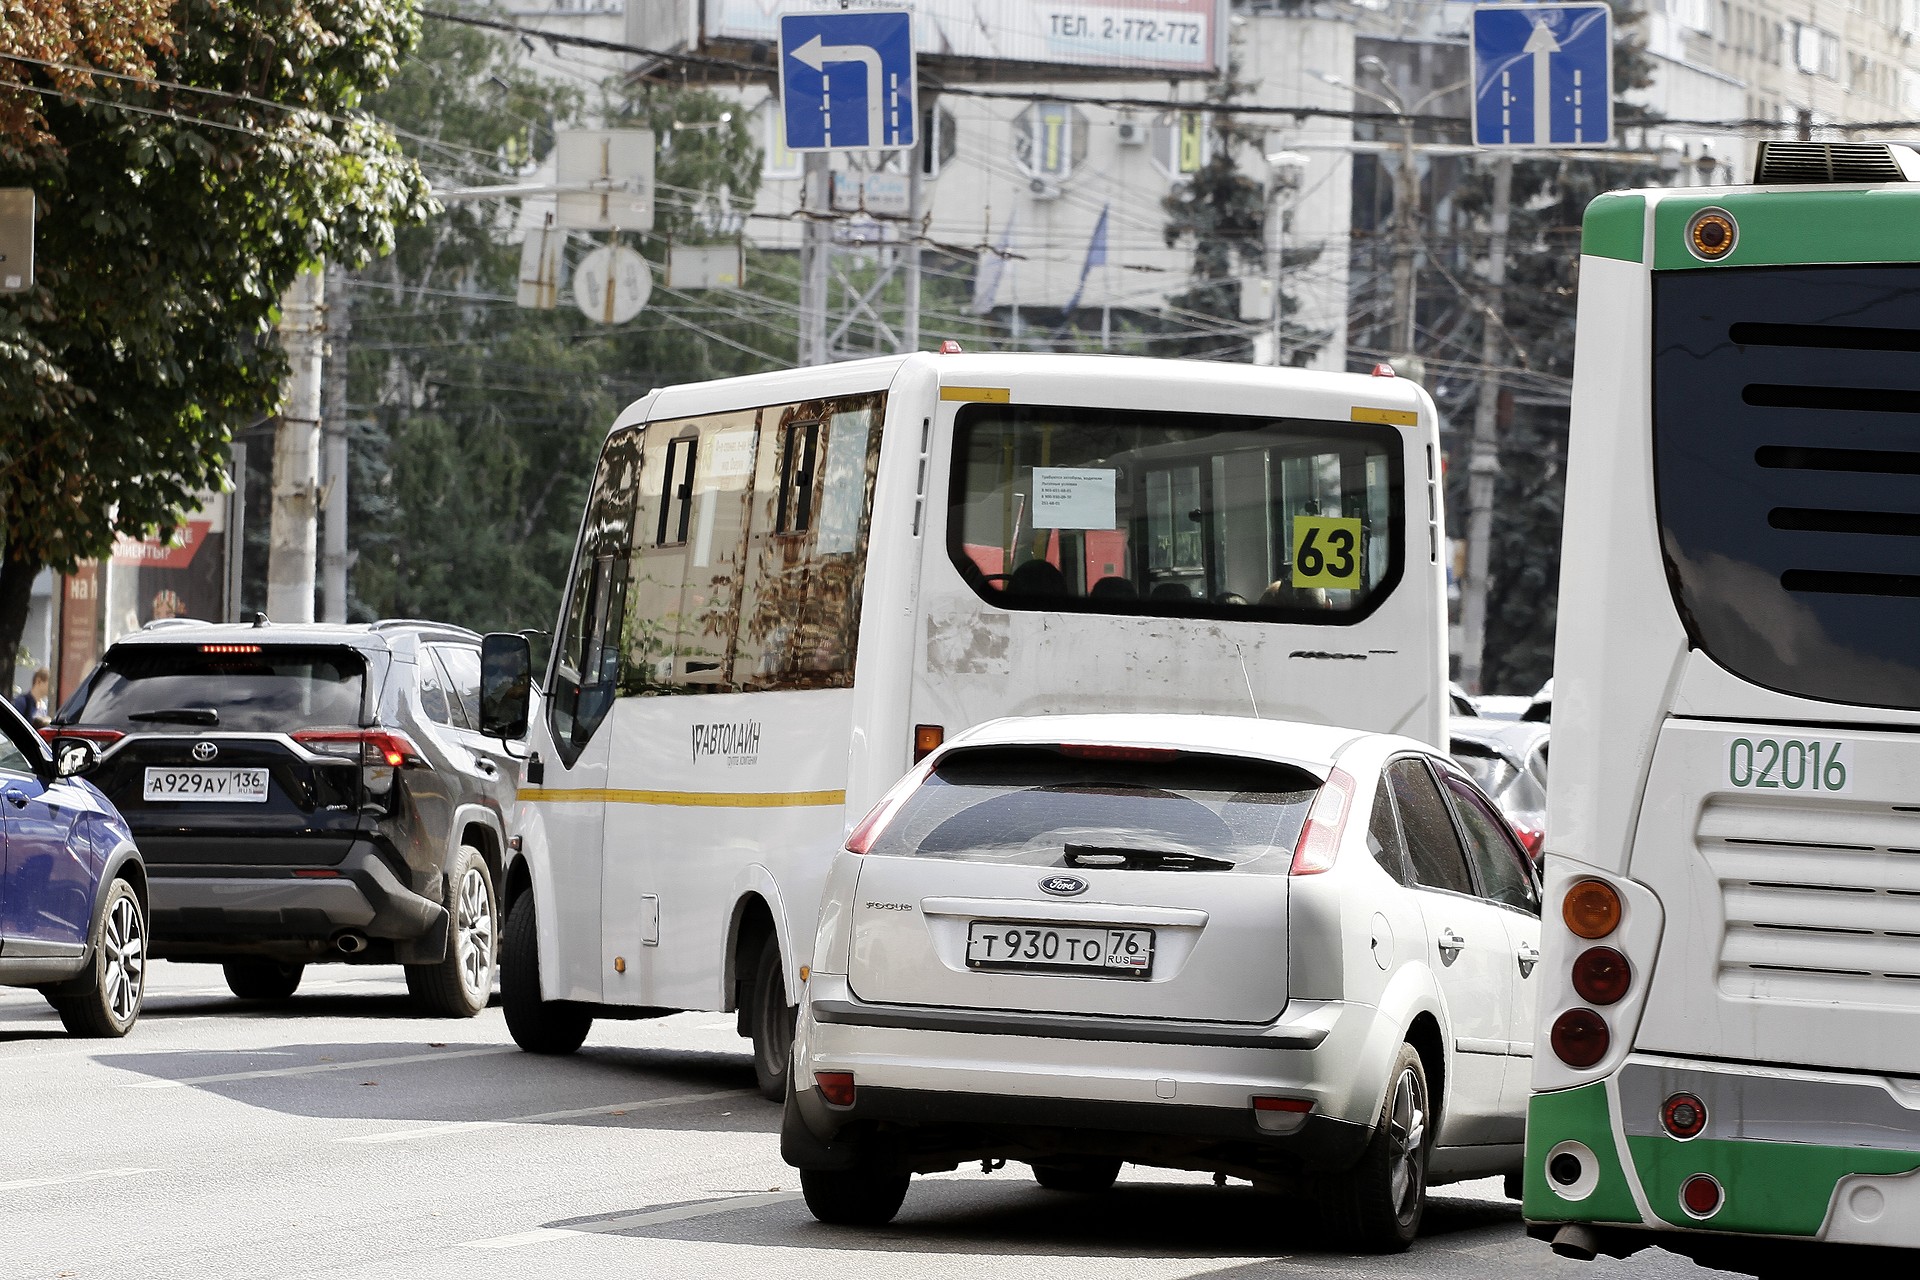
(179, 715)
(1101, 855)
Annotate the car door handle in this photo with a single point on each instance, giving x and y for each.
(1451, 941)
(1528, 955)
(16, 797)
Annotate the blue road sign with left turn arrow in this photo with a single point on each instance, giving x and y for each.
(847, 80)
(1543, 75)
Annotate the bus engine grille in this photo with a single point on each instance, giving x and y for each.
(1819, 903)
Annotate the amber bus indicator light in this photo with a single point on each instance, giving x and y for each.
(1591, 909)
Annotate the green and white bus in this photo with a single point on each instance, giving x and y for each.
(1729, 1035)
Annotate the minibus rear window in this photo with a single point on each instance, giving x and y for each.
(1175, 514)
(1786, 449)
(1040, 807)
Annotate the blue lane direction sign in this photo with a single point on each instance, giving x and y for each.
(1543, 75)
(847, 80)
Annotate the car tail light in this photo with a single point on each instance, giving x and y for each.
(1591, 909)
(836, 1087)
(926, 740)
(1701, 1196)
(1531, 838)
(371, 747)
(1296, 1106)
(230, 648)
(1319, 841)
(1580, 1038)
(868, 829)
(103, 737)
(1601, 975)
(1683, 1115)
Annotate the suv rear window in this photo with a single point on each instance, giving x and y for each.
(1041, 807)
(229, 687)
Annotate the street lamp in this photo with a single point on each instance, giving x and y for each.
(1278, 162)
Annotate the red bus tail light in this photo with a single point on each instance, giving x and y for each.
(1602, 975)
(1580, 1038)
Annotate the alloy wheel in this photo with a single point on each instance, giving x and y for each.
(124, 971)
(1407, 1132)
(473, 933)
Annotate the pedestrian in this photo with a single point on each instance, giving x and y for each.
(31, 702)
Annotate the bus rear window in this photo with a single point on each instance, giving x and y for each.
(1173, 514)
(1786, 431)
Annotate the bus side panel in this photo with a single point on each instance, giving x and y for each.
(882, 742)
(1618, 645)
(705, 791)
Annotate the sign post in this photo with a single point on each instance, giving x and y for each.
(16, 239)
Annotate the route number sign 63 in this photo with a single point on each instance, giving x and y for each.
(1789, 764)
(1326, 551)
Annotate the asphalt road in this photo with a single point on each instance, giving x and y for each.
(341, 1136)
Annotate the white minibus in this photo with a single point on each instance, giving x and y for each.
(789, 586)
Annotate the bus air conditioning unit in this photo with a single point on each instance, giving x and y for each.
(1791, 163)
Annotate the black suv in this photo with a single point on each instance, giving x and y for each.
(308, 793)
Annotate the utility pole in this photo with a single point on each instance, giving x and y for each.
(1406, 212)
(1278, 163)
(816, 250)
(1483, 468)
(296, 454)
(917, 161)
(333, 553)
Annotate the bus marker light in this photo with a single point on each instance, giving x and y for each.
(1601, 975)
(949, 347)
(836, 1087)
(926, 739)
(1684, 1116)
(1701, 1196)
(1384, 370)
(1580, 1038)
(1711, 234)
(1591, 909)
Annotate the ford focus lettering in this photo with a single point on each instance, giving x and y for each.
(1277, 951)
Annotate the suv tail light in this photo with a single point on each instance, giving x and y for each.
(103, 737)
(1319, 840)
(375, 748)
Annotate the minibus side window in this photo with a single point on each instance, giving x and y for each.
(585, 656)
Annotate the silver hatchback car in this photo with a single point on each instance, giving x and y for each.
(1283, 952)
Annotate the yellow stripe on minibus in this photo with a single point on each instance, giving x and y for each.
(1391, 417)
(989, 395)
(686, 799)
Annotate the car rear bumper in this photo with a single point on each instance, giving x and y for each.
(936, 1081)
(204, 909)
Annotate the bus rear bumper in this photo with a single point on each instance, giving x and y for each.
(1817, 1156)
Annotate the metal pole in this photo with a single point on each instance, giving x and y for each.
(1276, 316)
(296, 455)
(1406, 202)
(916, 195)
(1483, 469)
(816, 248)
(333, 553)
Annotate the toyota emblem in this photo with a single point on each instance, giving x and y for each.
(204, 751)
(1063, 886)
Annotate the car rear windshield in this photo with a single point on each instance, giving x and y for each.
(1041, 807)
(1176, 514)
(222, 687)
(1786, 433)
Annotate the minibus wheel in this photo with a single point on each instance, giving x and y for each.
(538, 1026)
(772, 1023)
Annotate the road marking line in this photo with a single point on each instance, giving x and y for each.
(470, 1126)
(359, 1064)
(93, 1176)
(627, 1222)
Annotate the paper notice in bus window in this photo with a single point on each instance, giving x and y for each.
(729, 459)
(844, 494)
(1073, 498)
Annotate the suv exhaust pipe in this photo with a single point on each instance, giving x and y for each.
(351, 944)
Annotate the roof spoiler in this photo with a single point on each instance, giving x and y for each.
(1787, 163)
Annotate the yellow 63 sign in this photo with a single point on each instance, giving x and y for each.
(1326, 551)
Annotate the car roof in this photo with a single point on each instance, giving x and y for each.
(371, 635)
(1511, 738)
(1316, 746)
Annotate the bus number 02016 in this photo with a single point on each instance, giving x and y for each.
(1788, 764)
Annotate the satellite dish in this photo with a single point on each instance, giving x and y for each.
(611, 284)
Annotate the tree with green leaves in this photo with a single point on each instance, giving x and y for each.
(177, 207)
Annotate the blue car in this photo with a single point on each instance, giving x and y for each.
(73, 890)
